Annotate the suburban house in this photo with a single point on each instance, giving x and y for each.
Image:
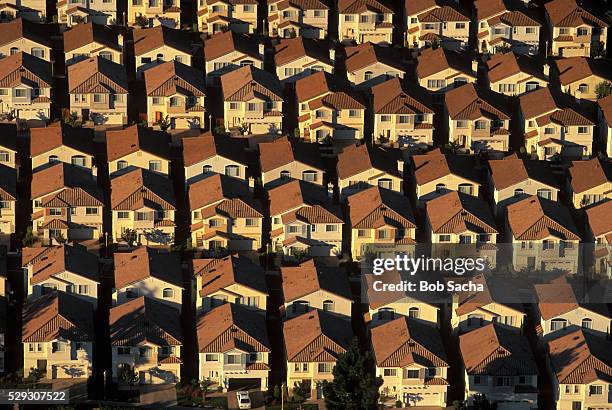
(287, 158)
(403, 116)
(515, 74)
(69, 268)
(25, 86)
(599, 232)
(360, 167)
(439, 70)
(146, 340)
(305, 220)
(137, 147)
(380, 220)
(580, 367)
(12, 11)
(232, 279)
(543, 235)
(233, 347)
(365, 21)
(478, 119)
(228, 51)
(368, 64)
(298, 18)
(153, 46)
(154, 13)
(175, 95)
(149, 272)
(589, 182)
(314, 286)
(57, 333)
(575, 31)
(98, 90)
(499, 364)
(457, 218)
(504, 24)
(74, 12)
(604, 115)
(215, 16)
(436, 173)
(87, 40)
(411, 360)
(252, 101)
(66, 204)
(580, 76)
(327, 111)
(224, 215)
(21, 35)
(143, 207)
(295, 58)
(62, 143)
(208, 153)
(555, 125)
(8, 147)
(440, 22)
(313, 342)
(8, 203)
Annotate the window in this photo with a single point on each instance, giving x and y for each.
(466, 189)
(145, 351)
(285, 175)
(440, 188)
(78, 160)
(484, 238)
(386, 314)
(389, 372)
(4, 156)
(331, 228)
(251, 222)
(583, 130)
(368, 75)
(362, 233)
(122, 350)
(168, 293)
(557, 324)
(479, 380)
(309, 176)
(436, 83)
(530, 30)
(587, 323)
(294, 229)
(233, 358)
(123, 215)
(549, 130)
(414, 312)
(444, 238)
(518, 192)
(385, 118)
(211, 357)
(174, 101)
(531, 86)
(55, 211)
(251, 106)
(98, 98)
(157, 101)
(324, 368)
(465, 239)
(232, 170)
(595, 390)
(583, 88)
(412, 374)
(5, 205)
(462, 124)
(155, 166)
(385, 183)
(460, 26)
(404, 119)
(14, 50)
(83, 289)
(142, 216)
(582, 31)
(498, 31)
(20, 92)
(502, 381)
(319, 13)
(480, 125)
(90, 210)
(353, 113)
(349, 17)
(121, 164)
(432, 372)
(328, 305)
(544, 193)
(430, 26)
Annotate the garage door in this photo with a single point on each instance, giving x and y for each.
(244, 383)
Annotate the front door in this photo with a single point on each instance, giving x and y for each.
(576, 405)
(41, 366)
(158, 116)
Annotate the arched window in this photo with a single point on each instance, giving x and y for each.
(328, 305)
(557, 324)
(583, 88)
(232, 170)
(14, 50)
(78, 160)
(368, 75)
(475, 320)
(207, 169)
(386, 314)
(309, 176)
(168, 293)
(246, 62)
(440, 188)
(300, 306)
(531, 86)
(518, 192)
(285, 175)
(587, 323)
(467, 189)
(122, 164)
(159, 58)
(316, 68)
(218, 300)
(53, 159)
(414, 312)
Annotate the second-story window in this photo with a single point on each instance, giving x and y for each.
(4, 156)
(78, 160)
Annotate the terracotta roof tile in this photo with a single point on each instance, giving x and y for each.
(504, 65)
(455, 212)
(248, 82)
(375, 206)
(149, 39)
(88, 33)
(282, 151)
(291, 49)
(513, 170)
(20, 28)
(64, 185)
(225, 195)
(120, 143)
(302, 4)
(432, 61)
(598, 218)
(172, 77)
(365, 54)
(309, 277)
(23, 67)
(585, 175)
(55, 135)
(359, 6)
(566, 13)
(435, 165)
(391, 97)
(140, 187)
(469, 103)
(222, 44)
(304, 201)
(144, 262)
(535, 218)
(219, 274)
(355, 159)
(207, 146)
(74, 259)
(97, 75)
(574, 69)
(444, 13)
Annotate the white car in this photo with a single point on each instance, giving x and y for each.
(244, 401)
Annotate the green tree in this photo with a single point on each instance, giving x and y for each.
(300, 392)
(603, 89)
(128, 375)
(129, 236)
(164, 123)
(354, 386)
(482, 403)
(28, 238)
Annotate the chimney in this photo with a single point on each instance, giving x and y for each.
(262, 50)
(546, 69)
(251, 184)
(475, 66)
(120, 39)
(400, 166)
(332, 54)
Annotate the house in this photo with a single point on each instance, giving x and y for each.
(314, 286)
(499, 363)
(143, 207)
(403, 116)
(599, 232)
(440, 22)
(175, 94)
(299, 57)
(98, 90)
(380, 219)
(153, 46)
(305, 221)
(233, 347)
(149, 272)
(363, 21)
(411, 360)
(252, 101)
(313, 343)
(511, 178)
(154, 13)
(478, 119)
(554, 124)
(61, 143)
(298, 18)
(360, 166)
(228, 51)
(137, 147)
(146, 340)
(8, 147)
(25, 85)
(436, 173)
(543, 235)
(215, 16)
(439, 70)
(69, 268)
(12, 11)
(515, 74)
(561, 310)
(504, 24)
(604, 114)
(580, 370)
(580, 76)
(76, 12)
(473, 309)
(458, 218)
(287, 158)
(231, 279)
(327, 111)
(368, 64)
(589, 182)
(575, 31)
(224, 214)
(57, 333)
(66, 204)
(208, 153)
(87, 40)
(21, 35)
(8, 203)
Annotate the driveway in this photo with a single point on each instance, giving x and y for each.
(163, 395)
(257, 400)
